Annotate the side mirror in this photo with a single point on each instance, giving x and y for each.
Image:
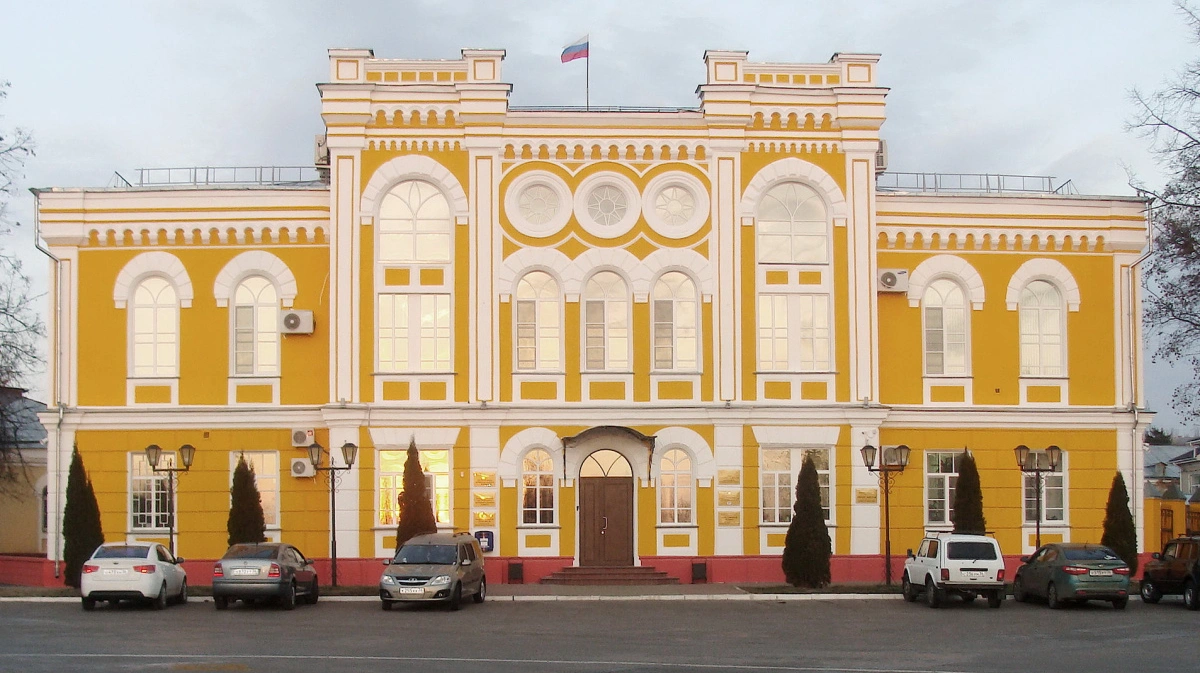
(1024, 559)
(466, 562)
(387, 561)
(179, 560)
(308, 562)
(910, 554)
(1156, 556)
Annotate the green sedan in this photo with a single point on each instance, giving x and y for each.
(1064, 572)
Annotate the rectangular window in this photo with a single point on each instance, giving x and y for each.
(821, 462)
(1054, 506)
(154, 340)
(414, 332)
(773, 332)
(435, 463)
(814, 332)
(149, 506)
(266, 478)
(664, 334)
(537, 335)
(941, 478)
(776, 485)
(803, 317)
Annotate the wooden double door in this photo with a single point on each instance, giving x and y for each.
(606, 510)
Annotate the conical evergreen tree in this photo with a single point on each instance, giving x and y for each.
(807, 547)
(246, 521)
(968, 498)
(81, 521)
(1120, 533)
(416, 512)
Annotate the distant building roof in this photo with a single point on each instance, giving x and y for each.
(21, 412)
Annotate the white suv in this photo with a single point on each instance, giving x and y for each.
(953, 563)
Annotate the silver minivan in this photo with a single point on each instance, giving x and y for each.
(438, 567)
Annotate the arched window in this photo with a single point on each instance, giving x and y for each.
(675, 333)
(414, 224)
(154, 329)
(538, 322)
(606, 322)
(792, 226)
(1042, 330)
(675, 487)
(945, 314)
(255, 328)
(537, 486)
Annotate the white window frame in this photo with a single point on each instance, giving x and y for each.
(947, 337)
(254, 458)
(540, 509)
(1038, 339)
(1029, 494)
(671, 331)
(613, 308)
(808, 345)
(949, 484)
(431, 478)
(444, 226)
(825, 477)
(417, 335)
(260, 333)
(156, 369)
(676, 475)
(797, 228)
(139, 471)
(546, 332)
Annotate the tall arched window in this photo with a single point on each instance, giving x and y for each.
(945, 314)
(792, 226)
(538, 322)
(675, 321)
(414, 224)
(154, 329)
(1042, 330)
(606, 322)
(537, 487)
(675, 487)
(255, 328)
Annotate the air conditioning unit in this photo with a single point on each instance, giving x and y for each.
(892, 280)
(296, 322)
(303, 437)
(881, 158)
(302, 468)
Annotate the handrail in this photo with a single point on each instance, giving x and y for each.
(986, 183)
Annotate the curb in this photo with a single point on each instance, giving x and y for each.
(548, 598)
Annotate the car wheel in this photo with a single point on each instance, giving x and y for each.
(386, 605)
(89, 604)
(996, 598)
(1190, 598)
(288, 599)
(908, 590)
(1052, 598)
(160, 601)
(183, 594)
(969, 597)
(932, 597)
(1150, 593)
(221, 602)
(482, 593)
(456, 598)
(314, 592)
(1120, 603)
(1019, 594)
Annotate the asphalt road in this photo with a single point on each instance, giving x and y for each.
(851, 636)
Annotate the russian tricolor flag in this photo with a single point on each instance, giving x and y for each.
(577, 49)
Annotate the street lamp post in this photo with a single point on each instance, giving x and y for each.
(349, 452)
(187, 453)
(892, 462)
(1031, 463)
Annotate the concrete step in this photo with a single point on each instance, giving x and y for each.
(609, 576)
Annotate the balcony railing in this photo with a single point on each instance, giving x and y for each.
(225, 176)
(976, 183)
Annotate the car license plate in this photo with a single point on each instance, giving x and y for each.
(116, 571)
(245, 571)
(973, 574)
(411, 590)
(1100, 573)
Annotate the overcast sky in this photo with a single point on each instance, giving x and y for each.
(1026, 87)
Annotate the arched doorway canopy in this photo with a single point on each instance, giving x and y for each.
(601, 431)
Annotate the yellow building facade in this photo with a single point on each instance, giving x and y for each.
(613, 333)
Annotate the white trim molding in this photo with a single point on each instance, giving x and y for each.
(153, 263)
(413, 167)
(521, 262)
(700, 204)
(425, 438)
(704, 465)
(558, 219)
(615, 259)
(633, 207)
(1043, 269)
(796, 435)
(794, 169)
(688, 261)
(519, 444)
(941, 266)
(252, 263)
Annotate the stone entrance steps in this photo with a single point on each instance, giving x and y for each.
(596, 575)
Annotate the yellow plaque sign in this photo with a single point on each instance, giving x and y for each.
(866, 495)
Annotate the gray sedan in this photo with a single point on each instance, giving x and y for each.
(269, 570)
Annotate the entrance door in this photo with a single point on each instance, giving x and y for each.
(605, 510)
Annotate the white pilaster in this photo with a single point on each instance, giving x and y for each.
(483, 193)
(729, 540)
(865, 520)
(348, 499)
(343, 276)
(727, 233)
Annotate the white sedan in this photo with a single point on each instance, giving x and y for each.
(138, 571)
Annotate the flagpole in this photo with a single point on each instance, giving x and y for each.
(587, 81)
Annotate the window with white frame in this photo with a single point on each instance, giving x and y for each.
(820, 458)
(793, 226)
(945, 315)
(773, 332)
(538, 322)
(537, 488)
(806, 318)
(414, 224)
(265, 465)
(941, 478)
(675, 323)
(154, 329)
(1054, 491)
(435, 464)
(778, 481)
(150, 508)
(606, 323)
(414, 333)
(675, 487)
(255, 328)
(1043, 346)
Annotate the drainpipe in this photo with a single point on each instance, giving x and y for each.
(58, 397)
